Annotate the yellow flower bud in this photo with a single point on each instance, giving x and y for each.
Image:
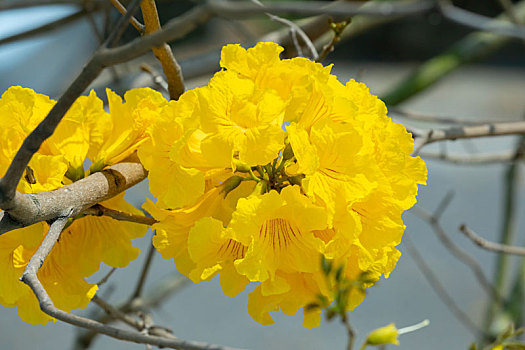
(383, 335)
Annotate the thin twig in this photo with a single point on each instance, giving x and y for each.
(134, 22)
(349, 331)
(158, 80)
(121, 26)
(477, 159)
(145, 325)
(163, 53)
(461, 255)
(508, 230)
(38, 258)
(434, 118)
(471, 48)
(46, 28)
(117, 314)
(100, 210)
(143, 273)
(152, 299)
(294, 30)
(30, 278)
(480, 22)
(337, 29)
(106, 277)
(440, 290)
(426, 136)
(238, 9)
(19, 4)
(491, 246)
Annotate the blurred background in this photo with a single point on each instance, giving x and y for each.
(381, 51)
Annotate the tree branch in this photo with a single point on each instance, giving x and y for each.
(44, 29)
(491, 246)
(464, 257)
(440, 290)
(163, 53)
(133, 21)
(471, 48)
(155, 296)
(426, 136)
(314, 8)
(143, 273)
(28, 209)
(30, 278)
(479, 22)
(18, 4)
(477, 159)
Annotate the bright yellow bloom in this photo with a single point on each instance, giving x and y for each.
(127, 127)
(306, 167)
(88, 241)
(170, 157)
(241, 121)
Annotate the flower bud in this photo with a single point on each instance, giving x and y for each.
(383, 335)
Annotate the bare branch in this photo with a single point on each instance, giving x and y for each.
(492, 246)
(46, 28)
(444, 119)
(471, 48)
(99, 210)
(30, 278)
(121, 26)
(157, 79)
(106, 277)
(172, 30)
(152, 299)
(424, 137)
(134, 22)
(143, 273)
(294, 30)
(163, 53)
(479, 22)
(477, 159)
(37, 260)
(461, 255)
(337, 29)
(508, 7)
(117, 314)
(18, 4)
(315, 8)
(440, 290)
(27, 209)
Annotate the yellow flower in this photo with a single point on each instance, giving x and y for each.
(289, 293)
(88, 241)
(170, 156)
(278, 230)
(241, 121)
(277, 164)
(82, 128)
(129, 122)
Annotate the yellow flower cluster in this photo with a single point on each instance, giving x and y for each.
(272, 165)
(86, 132)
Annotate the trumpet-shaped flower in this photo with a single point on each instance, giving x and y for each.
(127, 127)
(88, 241)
